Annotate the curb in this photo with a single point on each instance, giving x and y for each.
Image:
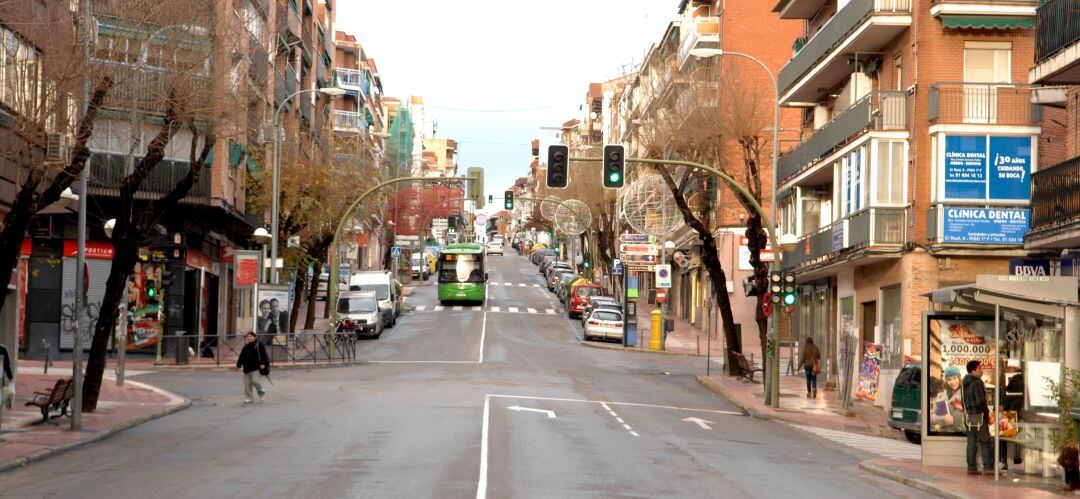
(615, 346)
(22, 461)
(723, 392)
(923, 485)
(223, 368)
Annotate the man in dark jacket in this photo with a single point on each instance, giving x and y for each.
(252, 360)
(978, 416)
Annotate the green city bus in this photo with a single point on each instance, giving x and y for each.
(462, 273)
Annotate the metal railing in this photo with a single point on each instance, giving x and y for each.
(880, 110)
(107, 173)
(280, 94)
(1058, 26)
(692, 32)
(259, 69)
(877, 226)
(304, 347)
(832, 33)
(348, 120)
(983, 103)
(1055, 194)
(290, 80)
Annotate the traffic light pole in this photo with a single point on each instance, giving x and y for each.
(773, 390)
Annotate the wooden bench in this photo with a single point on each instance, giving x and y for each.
(59, 397)
(748, 366)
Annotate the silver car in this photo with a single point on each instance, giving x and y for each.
(604, 324)
(358, 314)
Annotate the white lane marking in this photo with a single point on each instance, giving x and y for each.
(886, 447)
(481, 483)
(508, 284)
(512, 310)
(634, 433)
(549, 311)
(494, 309)
(521, 284)
(517, 408)
(629, 404)
(475, 308)
(420, 308)
(536, 285)
(628, 428)
(483, 335)
(417, 361)
(704, 424)
(457, 308)
(531, 310)
(439, 308)
(617, 418)
(620, 420)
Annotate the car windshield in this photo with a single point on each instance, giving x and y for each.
(461, 268)
(356, 305)
(382, 291)
(588, 291)
(416, 258)
(605, 315)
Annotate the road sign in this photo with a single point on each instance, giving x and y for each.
(638, 249)
(616, 267)
(639, 258)
(637, 238)
(661, 295)
(663, 276)
(395, 252)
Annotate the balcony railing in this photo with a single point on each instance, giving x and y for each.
(353, 78)
(279, 89)
(983, 103)
(1055, 194)
(290, 80)
(1058, 27)
(107, 173)
(698, 32)
(835, 30)
(259, 64)
(288, 22)
(872, 227)
(348, 120)
(877, 111)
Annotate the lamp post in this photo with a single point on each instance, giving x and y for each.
(276, 180)
(669, 248)
(773, 394)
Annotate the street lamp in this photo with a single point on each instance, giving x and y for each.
(276, 194)
(773, 395)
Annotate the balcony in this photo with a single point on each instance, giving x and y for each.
(107, 173)
(259, 69)
(1057, 43)
(983, 103)
(280, 93)
(862, 26)
(348, 121)
(290, 81)
(699, 32)
(861, 238)
(989, 14)
(1055, 207)
(353, 79)
(288, 21)
(876, 111)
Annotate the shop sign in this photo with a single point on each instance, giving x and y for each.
(987, 167)
(1029, 266)
(984, 225)
(638, 249)
(95, 250)
(744, 253)
(637, 238)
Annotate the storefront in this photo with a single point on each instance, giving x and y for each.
(1022, 330)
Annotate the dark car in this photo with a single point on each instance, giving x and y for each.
(906, 411)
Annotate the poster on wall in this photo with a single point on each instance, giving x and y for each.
(145, 296)
(965, 167)
(953, 341)
(1010, 168)
(987, 167)
(247, 268)
(869, 372)
(272, 323)
(984, 225)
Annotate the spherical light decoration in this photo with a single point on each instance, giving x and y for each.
(573, 217)
(548, 207)
(649, 207)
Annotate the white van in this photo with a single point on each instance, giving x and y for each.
(387, 292)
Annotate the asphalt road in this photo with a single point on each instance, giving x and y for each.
(461, 403)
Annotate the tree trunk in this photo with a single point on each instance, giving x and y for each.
(313, 294)
(125, 254)
(301, 285)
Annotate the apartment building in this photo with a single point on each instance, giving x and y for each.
(918, 139)
(440, 157)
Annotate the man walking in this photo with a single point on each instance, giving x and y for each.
(978, 416)
(253, 361)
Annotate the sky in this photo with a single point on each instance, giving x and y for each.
(491, 73)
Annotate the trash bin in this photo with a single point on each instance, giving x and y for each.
(183, 343)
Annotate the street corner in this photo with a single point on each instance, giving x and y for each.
(954, 482)
(714, 384)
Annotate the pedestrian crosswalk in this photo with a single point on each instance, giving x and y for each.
(477, 308)
(887, 447)
(512, 284)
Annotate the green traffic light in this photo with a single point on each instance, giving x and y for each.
(789, 300)
(150, 292)
(586, 264)
(614, 177)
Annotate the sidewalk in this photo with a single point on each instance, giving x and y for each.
(955, 482)
(24, 439)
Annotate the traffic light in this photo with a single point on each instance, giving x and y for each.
(151, 288)
(789, 289)
(776, 286)
(491, 199)
(508, 200)
(614, 166)
(558, 167)
(166, 278)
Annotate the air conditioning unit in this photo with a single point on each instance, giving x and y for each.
(57, 148)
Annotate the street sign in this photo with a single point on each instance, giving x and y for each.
(661, 295)
(395, 252)
(638, 249)
(637, 238)
(663, 276)
(629, 266)
(639, 258)
(616, 267)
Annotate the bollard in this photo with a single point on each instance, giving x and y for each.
(656, 331)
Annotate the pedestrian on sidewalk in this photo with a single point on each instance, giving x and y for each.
(254, 362)
(978, 415)
(811, 358)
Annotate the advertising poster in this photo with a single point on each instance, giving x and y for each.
(953, 341)
(247, 268)
(965, 166)
(869, 372)
(1010, 168)
(273, 318)
(984, 225)
(145, 297)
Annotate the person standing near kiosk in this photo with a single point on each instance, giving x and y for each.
(978, 417)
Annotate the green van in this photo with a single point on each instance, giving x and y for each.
(906, 409)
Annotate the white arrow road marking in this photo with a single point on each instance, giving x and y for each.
(704, 424)
(550, 414)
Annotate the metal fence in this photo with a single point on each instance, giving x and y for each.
(305, 347)
(1058, 27)
(1055, 194)
(983, 103)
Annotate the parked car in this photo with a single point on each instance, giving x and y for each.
(547, 262)
(592, 301)
(324, 279)
(358, 314)
(905, 414)
(579, 294)
(604, 305)
(387, 291)
(494, 248)
(553, 267)
(420, 266)
(556, 275)
(562, 287)
(605, 324)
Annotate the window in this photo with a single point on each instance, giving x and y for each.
(852, 168)
(987, 62)
(898, 72)
(19, 73)
(890, 165)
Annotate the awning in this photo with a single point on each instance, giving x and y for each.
(987, 22)
(1042, 295)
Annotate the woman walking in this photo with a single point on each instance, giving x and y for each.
(254, 362)
(810, 360)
